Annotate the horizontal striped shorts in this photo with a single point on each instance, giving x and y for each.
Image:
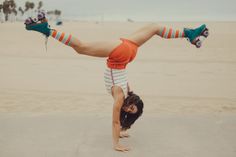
(116, 77)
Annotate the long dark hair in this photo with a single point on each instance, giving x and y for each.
(127, 119)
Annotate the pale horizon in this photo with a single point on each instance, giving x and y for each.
(149, 10)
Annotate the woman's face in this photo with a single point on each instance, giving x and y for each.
(131, 109)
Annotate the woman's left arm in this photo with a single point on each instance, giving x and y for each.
(119, 99)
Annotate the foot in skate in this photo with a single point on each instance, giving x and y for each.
(193, 35)
(38, 24)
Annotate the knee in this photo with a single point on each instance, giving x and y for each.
(75, 43)
(154, 27)
(78, 47)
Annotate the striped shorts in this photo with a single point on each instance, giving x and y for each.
(116, 77)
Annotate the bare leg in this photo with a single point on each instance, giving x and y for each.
(103, 49)
(147, 32)
(144, 34)
(96, 49)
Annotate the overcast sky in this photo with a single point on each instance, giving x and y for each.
(145, 9)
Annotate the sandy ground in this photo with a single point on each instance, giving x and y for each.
(54, 103)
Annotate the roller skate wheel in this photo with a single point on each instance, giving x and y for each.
(35, 20)
(41, 15)
(205, 33)
(29, 21)
(198, 43)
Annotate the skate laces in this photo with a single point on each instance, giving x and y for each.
(46, 43)
(46, 40)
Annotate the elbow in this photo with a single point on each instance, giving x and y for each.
(115, 122)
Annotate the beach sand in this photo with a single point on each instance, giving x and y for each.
(54, 102)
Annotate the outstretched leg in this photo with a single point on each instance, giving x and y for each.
(147, 32)
(96, 49)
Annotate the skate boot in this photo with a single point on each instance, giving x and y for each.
(38, 24)
(193, 35)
